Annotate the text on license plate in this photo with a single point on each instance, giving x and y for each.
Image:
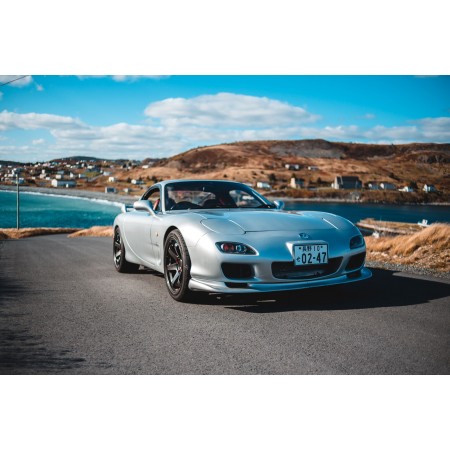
(310, 254)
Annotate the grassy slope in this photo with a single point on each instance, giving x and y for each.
(428, 248)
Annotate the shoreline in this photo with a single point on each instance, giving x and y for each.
(344, 200)
(126, 199)
(75, 193)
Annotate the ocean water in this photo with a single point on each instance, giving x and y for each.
(38, 210)
(394, 213)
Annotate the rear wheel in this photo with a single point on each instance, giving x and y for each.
(177, 267)
(120, 263)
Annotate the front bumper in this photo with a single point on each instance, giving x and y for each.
(220, 287)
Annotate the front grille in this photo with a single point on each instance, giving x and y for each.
(289, 271)
(356, 261)
(237, 285)
(237, 271)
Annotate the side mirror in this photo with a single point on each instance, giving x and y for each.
(144, 205)
(279, 204)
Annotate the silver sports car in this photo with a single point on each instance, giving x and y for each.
(224, 237)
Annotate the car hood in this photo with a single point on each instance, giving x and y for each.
(269, 220)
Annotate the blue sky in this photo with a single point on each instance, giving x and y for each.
(45, 117)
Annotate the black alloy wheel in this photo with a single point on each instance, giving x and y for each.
(177, 266)
(120, 263)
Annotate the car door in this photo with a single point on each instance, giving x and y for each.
(138, 228)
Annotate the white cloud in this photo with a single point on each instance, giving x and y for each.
(33, 121)
(124, 78)
(423, 130)
(226, 109)
(176, 125)
(28, 79)
(121, 78)
(369, 116)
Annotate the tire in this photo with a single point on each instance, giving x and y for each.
(177, 267)
(120, 263)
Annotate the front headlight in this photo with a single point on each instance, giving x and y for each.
(356, 242)
(235, 248)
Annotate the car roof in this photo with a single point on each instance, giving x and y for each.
(163, 183)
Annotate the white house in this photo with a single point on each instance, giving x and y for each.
(57, 183)
(137, 182)
(263, 185)
(406, 189)
(297, 183)
(63, 183)
(111, 179)
(429, 188)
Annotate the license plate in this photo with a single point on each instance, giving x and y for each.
(309, 254)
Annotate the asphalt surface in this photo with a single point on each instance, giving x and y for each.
(64, 309)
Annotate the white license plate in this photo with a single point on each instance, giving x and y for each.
(309, 254)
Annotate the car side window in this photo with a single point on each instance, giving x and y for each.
(154, 196)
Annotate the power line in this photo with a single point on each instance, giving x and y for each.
(15, 79)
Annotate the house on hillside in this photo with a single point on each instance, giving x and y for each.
(406, 189)
(346, 182)
(111, 179)
(63, 183)
(429, 188)
(263, 185)
(292, 166)
(373, 185)
(297, 183)
(387, 186)
(110, 190)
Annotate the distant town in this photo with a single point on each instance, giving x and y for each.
(291, 169)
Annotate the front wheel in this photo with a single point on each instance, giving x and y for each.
(177, 267)
(120, 263)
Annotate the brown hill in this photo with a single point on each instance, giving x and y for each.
(319, 162)
(238, 152)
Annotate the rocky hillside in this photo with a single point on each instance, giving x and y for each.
(319, 162)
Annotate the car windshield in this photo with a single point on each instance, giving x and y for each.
(211, 195)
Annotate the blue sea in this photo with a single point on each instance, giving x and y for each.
(393, 213)
(37, 210)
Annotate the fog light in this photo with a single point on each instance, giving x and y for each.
(356, 242)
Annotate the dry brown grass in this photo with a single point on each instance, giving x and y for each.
(93, 231)
(13, 233)
(428, 248)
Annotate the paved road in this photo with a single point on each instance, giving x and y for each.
(64, 309)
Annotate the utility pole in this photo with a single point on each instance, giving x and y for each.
(18, 201)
